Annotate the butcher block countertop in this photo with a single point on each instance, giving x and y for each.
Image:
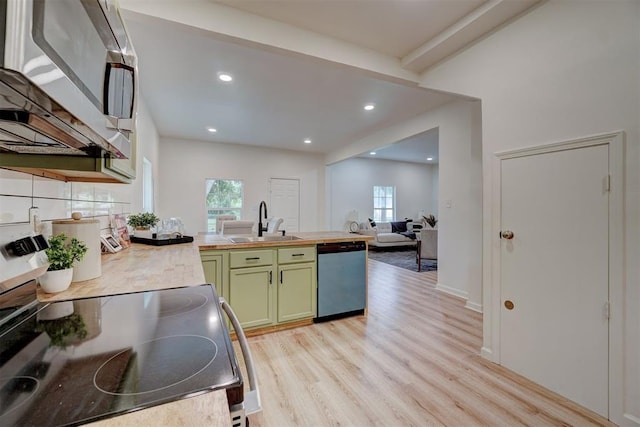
(215, 241)
(146, 267)
(138, 268)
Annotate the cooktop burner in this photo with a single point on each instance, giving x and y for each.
(172, 305)
(167, 355)
(74, 362)
(16, 391)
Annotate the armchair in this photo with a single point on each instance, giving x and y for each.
(427, 245)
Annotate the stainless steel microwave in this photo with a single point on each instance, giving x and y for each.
(68, 78)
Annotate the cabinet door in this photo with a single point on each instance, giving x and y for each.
(213, 271)
(251, 295)
(296, 291)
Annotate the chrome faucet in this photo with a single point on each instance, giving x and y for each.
(260, 228)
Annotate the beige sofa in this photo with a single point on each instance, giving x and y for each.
(384, 236)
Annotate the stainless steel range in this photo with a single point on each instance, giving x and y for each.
(77, 361)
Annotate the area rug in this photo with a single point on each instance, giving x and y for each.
(402, 257)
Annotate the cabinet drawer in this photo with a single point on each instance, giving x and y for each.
(296, 254)
(239, 259)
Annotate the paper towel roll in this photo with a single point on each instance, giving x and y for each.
(87, 231)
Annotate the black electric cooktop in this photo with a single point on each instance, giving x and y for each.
(73, 362)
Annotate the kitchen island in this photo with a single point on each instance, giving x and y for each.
(145, 267)
(272, 281)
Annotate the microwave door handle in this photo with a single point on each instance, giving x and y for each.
(252, 399)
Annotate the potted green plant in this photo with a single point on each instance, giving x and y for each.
(142, 223)
(430, 219)
(61, 258)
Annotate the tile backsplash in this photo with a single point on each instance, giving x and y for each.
(57, 199)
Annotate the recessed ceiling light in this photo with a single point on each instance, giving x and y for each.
(373, 153)
(225, 77)
(429, 158)
(307, 141)
(369, 107)
(212, 130)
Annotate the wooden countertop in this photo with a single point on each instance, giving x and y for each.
(138, 268)
(145, 267)
(216, 241)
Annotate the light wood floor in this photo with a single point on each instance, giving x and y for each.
(412, 361)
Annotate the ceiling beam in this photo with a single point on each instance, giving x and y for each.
(467, 30)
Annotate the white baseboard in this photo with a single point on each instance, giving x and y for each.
(487, 353)
(473, 306)
(451, 291)
(633, 420)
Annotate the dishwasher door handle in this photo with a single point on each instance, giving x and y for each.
(252, 401)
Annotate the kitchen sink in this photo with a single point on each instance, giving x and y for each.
(249, 239)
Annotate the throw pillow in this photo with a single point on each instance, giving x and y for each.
(398, 227)
(372, 223)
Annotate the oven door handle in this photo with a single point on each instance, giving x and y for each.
(252, 403)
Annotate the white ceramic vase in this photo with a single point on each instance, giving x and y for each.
(56, 281)
(144, 233)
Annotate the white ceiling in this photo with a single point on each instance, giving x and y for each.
(279, 97)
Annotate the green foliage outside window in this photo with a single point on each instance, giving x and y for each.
(224, 197)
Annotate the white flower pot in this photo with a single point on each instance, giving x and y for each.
(143, 233)
(56, 281)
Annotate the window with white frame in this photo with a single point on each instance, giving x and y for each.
(147, 185)
(223, 197)
(383, 203)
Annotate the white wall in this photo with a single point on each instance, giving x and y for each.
(185, 165)
(459, 190)
(351, 188)
(564, 71)
(459, 238)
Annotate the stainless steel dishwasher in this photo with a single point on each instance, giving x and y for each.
(342, 280)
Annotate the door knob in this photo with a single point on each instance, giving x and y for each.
(506, 234)
(509, 305)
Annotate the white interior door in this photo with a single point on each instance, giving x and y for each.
(555, 271)
(285, 202)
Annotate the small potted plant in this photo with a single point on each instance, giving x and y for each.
(430, 219)
(61, 258)
(142, 223)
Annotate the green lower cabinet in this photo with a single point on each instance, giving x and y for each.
(215, 266)
(265, 287)
(251, 295)
(296, 291)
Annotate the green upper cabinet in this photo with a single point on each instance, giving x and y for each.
(74, 168)
(125, 167)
